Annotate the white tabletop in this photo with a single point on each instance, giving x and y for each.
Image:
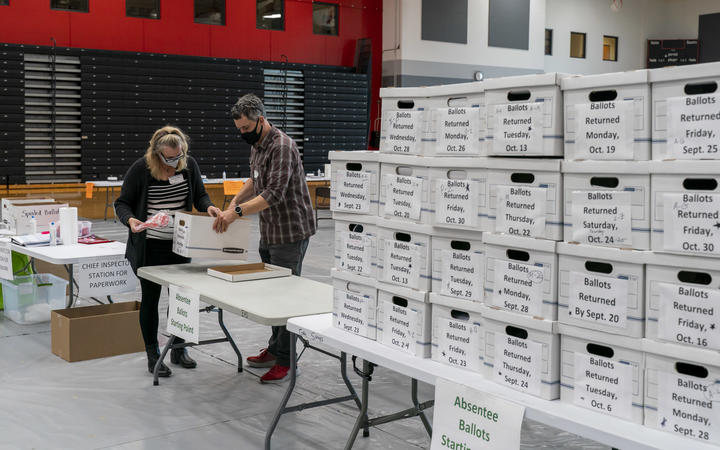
(220, 180)
(72, 254)
(268, 302)
(115, 183)
(590, 424)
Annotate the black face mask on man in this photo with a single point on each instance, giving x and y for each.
(251, 137)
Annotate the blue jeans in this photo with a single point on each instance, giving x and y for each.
(290, 256)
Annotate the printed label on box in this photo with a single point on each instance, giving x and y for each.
(693, 126)
(105, 276)
(518, 129)
(519, 287)
(458, 343)
(518, 363)
(598, 299)
(692, 223)
(399, 325)
(356, 253)
(604, 130)
(6, 265)
(401, 131)
(687, 315)
(353, 191)
(184, 313)
(521, 210)
(602, 218)
(456, 202)
(352, 312)
(180, 236)
(457, 130)
(402, 263)
(404, 197)
(685, 407)
(461, 274)
(604, 385)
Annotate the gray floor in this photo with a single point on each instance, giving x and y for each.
(46, 402)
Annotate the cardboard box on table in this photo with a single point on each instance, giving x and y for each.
(404, 120)
(18, 215)
(458, 258)
(356, 244)
(8, 202)
(354, 182)
(457, 333)
(404, 319)
(354, 304)
(194, 237)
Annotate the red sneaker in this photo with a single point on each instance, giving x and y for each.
(264, 359)
(277, 374)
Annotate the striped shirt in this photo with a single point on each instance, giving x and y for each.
(163, 196)
(278, 176)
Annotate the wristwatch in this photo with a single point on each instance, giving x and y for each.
(238, 210)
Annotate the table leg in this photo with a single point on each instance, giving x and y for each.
(110, 300)
(107, 199)
(362, 418)
(156, 370)
(71, 300)
(230, 339)
(420, 412)
(343, 373)
(288, 391)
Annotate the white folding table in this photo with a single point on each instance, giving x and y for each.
(593, 425)
(69, 255)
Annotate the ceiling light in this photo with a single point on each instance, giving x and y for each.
(272, 16)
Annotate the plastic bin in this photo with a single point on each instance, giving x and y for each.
(29, 299)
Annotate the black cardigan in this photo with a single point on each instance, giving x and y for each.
(132, 202)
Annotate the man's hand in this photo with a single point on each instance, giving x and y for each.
(134, 223)
(223, 220)
(214, 211)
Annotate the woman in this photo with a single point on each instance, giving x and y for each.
(165, 179)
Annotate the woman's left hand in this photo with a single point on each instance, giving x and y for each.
(214, 211)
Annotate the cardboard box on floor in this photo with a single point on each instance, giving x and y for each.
(91, 332)
(194, 237)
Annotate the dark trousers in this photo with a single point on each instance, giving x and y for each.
(289, 256)
(157, 253)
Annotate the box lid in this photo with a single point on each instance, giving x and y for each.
(410, 227)
(525, 164)
(601, 337)
(364, 219)
(458, 234)
(511, 318)
(606, 167)
(442, 90)
(405, 160)
(403, 92)
(605, 80)
(525, 243)
(354, 155)
(705, 70)
(352, 277)
(696, 355)
(400, 291)
(684, 262)
(462, 162)
(592, 252)
(456, 303)
(686, 167)
(538, 79)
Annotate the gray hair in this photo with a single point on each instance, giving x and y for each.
(250, 106)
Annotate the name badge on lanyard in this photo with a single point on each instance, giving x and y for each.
(175, 179)
(256, 174)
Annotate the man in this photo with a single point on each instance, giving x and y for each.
(278, 192)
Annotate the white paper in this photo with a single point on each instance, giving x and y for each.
(689, 315)
(603, 385)
(692, 222)
(518, 129)
(184, 314)
(457, 130)
(399, 325)
(693, 126)
(352, 191)
(401, 132)
(352, 312)
(518, 363)
(461, 274)
(598, 299)
(105, 276)
(6, 265)
(402, 263)
(458, 343)
(685, 407)
(456, 202)
(404, 197)
(604, 130)
(465, 418)
(518, 287)
(356, 253)
(602, 218)
(521, 210)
